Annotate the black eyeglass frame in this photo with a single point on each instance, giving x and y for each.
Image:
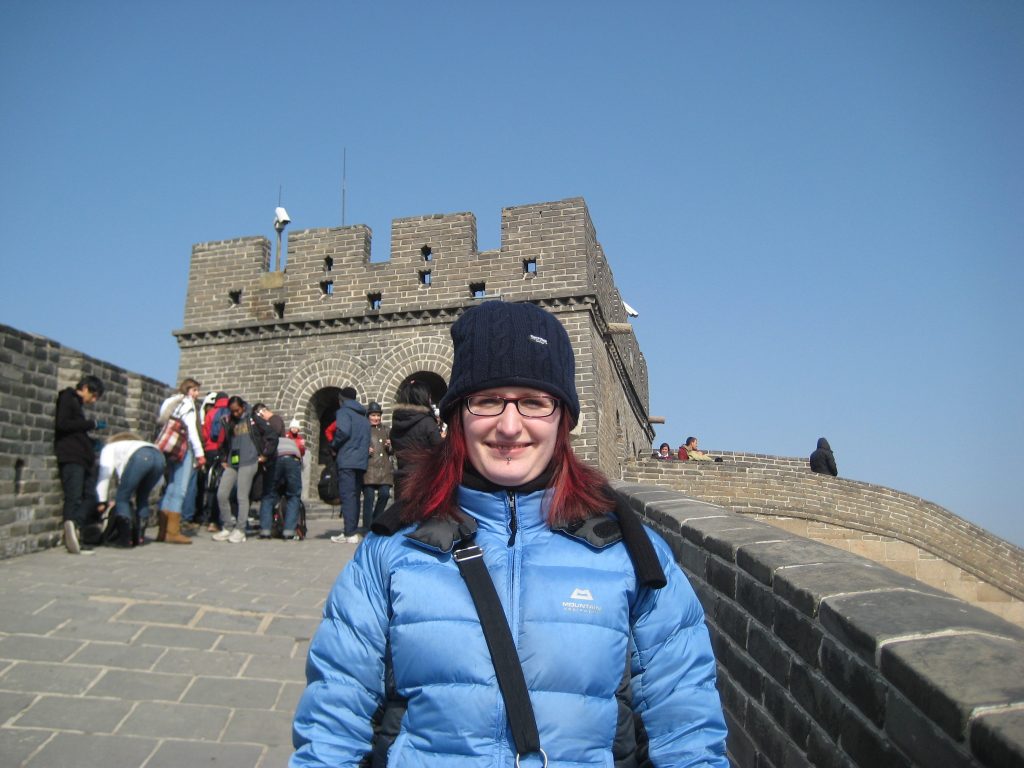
(555, 403)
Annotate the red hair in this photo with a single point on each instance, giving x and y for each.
(430, 489)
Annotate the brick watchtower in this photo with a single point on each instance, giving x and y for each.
(331, 318)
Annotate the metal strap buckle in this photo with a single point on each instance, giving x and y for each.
(467, 553)
(543, 754)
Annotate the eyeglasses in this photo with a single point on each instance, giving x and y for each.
(532, 407)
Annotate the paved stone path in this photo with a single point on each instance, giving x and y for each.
(161, 656)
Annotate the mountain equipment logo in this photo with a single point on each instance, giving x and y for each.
(581, 601)
(538, 339)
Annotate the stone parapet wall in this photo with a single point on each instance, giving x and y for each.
(826, 658)
(781, 487)
(32, 371)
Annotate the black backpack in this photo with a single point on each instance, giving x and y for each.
(327, 488)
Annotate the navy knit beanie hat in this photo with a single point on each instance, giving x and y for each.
(501, 344)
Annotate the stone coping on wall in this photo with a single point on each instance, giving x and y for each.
(828, 658)
(785, 486)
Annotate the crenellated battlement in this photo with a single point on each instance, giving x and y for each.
(547, 250)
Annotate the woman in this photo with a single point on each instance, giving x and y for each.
(380, 473)
(664, 453)
(139, 466)
(180, 406)
(413, 426)
(614, 670)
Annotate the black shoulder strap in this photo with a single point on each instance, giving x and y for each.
(507, 668)
(649, 572)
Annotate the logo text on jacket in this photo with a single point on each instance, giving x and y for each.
(581, 601)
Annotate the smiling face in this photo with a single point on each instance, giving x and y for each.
(509, 449)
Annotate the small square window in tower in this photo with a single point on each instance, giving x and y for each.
(235, 297)
(427, 253)
(425, 278)
(374, 299)
(326, 287)
(328, 263)
(529, 267)
(478, 290)
(279, 310)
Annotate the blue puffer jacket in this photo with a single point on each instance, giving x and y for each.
(352, 436)
(579, 621)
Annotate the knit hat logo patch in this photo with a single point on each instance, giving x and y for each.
(538, 339)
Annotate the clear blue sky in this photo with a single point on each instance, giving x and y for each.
(817, 208)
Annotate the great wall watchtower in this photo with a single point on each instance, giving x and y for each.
(332, 317)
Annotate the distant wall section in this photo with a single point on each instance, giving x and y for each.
(32, 370)
(904, 532)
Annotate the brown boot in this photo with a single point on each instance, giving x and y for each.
(173, 534)
(162, 520)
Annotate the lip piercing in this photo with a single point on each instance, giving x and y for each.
(508, 459)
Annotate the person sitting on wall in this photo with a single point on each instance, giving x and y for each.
(692, 452)
(822, 460)
(664, 453)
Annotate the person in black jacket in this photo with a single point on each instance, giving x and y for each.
(822, 460)
(413, 424)
(76, 455)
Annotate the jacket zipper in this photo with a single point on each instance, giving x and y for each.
(512, 523)
(513, 617)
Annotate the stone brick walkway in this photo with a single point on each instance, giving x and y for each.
(162, 656)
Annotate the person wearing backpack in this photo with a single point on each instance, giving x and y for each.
(601, 655)
(251, 443)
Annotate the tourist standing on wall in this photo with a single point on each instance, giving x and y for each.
(286, 473)
(822, 460)
(139, 467)
(379, 470)
(181, 406)
(352, 443)
(243, 455)
(76, 455)
(503, 530)
(413, 425)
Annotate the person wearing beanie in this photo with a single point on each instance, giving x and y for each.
(352, 442)
(617, 662)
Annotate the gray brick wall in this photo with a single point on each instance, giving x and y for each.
(788, 494)
(32, 370)
(825, 658)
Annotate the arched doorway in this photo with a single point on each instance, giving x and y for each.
(438, 386)
(323, 406)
